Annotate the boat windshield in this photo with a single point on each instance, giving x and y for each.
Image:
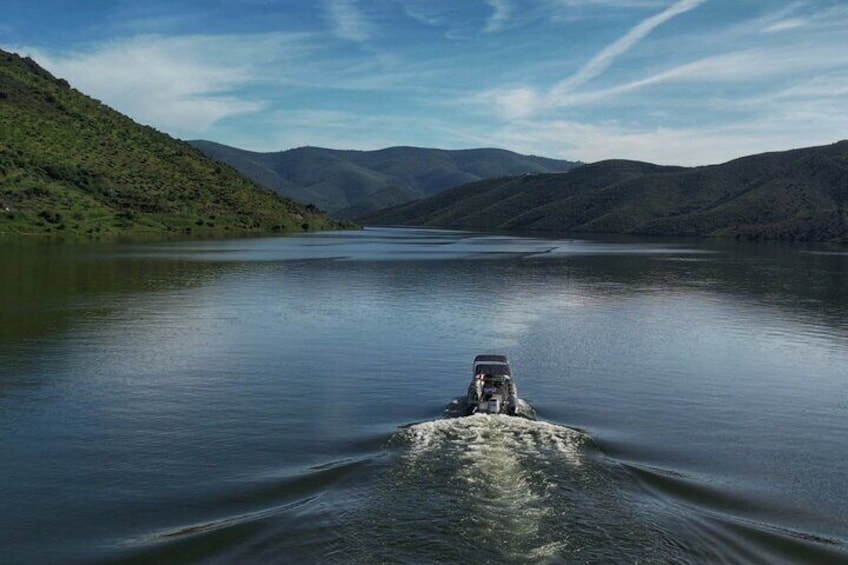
(495, 370)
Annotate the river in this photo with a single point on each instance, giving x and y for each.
(281, 400)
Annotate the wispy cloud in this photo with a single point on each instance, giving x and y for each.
(330, 128)
(775, 81)
(792, 63)
(603, 60)
(784, 18)
(511, 103)
(669, 145)
(607, 3)
(500, 17)
(748, 78)
(421, 12)
(783, 25)
(179, 84)
(347, 21)
(808, 110)
(514, 102)
(802, 15)
(581, 10)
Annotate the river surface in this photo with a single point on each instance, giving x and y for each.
(280, 400)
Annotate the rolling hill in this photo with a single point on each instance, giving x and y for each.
(70, 165)
(797, 195)
(353, 183)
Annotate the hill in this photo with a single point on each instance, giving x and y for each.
(797, 195)
(70, 165)
(353, 183)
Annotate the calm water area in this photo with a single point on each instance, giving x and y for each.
(280, 400)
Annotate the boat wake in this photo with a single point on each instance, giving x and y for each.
(500, 489)
(484, 438)
(487, 488)
(504, 504)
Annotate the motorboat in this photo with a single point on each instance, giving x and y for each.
(492, 389)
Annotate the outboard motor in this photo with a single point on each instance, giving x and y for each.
(491, 406)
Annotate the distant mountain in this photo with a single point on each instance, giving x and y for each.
(353, 183)
(70, 165)
(798, 195)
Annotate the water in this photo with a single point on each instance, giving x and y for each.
(280, 400)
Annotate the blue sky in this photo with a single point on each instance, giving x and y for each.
(668, 81)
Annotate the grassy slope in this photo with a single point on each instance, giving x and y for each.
(793, 195)
(70, 165)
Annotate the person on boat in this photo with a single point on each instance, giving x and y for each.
(489, 389)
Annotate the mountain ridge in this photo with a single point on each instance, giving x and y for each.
(349, 182)
(795, 195)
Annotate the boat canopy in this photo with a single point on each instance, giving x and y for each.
(498, 370)
(492, 365)
(491, 359)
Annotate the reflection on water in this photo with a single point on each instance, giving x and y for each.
(250, 400)
(45, 285)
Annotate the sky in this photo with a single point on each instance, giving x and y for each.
(685, 82)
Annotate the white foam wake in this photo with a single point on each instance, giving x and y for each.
(498, 469)
(508, 435)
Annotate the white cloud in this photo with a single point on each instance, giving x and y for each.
(806, 111)
(339, 129)
(786, 126)
(182, 85)
(792, 23)
(755, 92)
(508, 103)
(788, 63)
(602, 61)
(347, 21)
(811, 17)
(607, 3)
(500, 17)
(421, 11)
(770, 82)
(516, 102)
(582, 10)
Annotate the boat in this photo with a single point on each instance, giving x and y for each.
(492, 389)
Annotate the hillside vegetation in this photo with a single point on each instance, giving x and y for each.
(797, 195)
(353, 183)
(70, 165)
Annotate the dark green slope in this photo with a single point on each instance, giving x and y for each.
(352, 183)
(70, 165)
(797, 195)
(497, 203)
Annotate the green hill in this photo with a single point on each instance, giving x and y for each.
(353, 183)
(797, 195)
(70, 165)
